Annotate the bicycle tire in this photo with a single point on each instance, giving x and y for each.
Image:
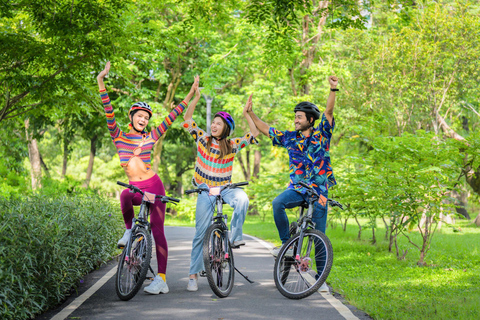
(131, 272)
(300, 278)
(219, 265)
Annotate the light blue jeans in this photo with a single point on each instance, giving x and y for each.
(237, 199)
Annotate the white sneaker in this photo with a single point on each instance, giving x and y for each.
(324, 288)
(237, 244)
(157, 286)
(275, 252)
(123, 241)
(192, 285)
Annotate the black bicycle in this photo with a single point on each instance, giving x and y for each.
(217, 249)
(305, 260)
(134, 261)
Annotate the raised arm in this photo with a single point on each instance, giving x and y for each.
(259, 124)
(251, 124)
(191, 107)
(107, 106)
(331, 99)
(162, 128)
(192, 90)
(101, 75)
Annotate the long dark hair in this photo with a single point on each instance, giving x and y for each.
(224, 143)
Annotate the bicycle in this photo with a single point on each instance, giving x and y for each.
(134, 261)
(300, 274)
(217, 249)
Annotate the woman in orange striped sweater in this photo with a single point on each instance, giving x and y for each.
(134, 148)
(214, 164)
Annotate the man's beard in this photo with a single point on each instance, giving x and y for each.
(304, 127)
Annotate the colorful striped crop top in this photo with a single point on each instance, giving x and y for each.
(126, 143)
(209, 168)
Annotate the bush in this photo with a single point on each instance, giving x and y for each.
(47, 245)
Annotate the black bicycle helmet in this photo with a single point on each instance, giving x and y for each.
(308, 108)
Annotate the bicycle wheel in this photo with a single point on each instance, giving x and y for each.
(133, 265)
(300, 276)
(219, 266)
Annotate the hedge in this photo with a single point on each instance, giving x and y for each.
(47, 244)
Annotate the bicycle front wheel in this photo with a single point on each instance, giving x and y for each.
(219, 266)
(133, 265)
(297, 277)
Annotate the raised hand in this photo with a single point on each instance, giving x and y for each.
(333, 80)
(104, 72)
(248, 105)
(196, 82)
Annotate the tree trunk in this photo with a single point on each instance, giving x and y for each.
(256, 163)
(93, 151)
(65, 158)
(477, 220)
(34, 157)
(359, 228)
(44, 166)
(244, 168)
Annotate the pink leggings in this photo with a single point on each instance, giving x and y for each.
(157, 215)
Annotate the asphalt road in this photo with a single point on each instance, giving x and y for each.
(96, 298)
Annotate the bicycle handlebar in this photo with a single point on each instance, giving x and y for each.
(333, 203)
(229, 185)
(164, 199)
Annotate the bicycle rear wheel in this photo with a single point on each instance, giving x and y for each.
(219, 266)
(133, 265)
(300, 276)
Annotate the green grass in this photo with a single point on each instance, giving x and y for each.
(373, 280)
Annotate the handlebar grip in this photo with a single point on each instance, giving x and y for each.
(190, 191)
(123, 184)
(173, 199)
(239, 184)
(303, 184)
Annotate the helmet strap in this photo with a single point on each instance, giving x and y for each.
(133, 127)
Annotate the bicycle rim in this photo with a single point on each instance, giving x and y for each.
(219, 266)
(133, 267)
(300, 276)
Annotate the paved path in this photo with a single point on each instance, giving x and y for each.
(96, 297)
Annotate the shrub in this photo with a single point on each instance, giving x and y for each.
(47, 244)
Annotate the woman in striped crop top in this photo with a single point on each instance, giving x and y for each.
(134, 148)
(213, 167)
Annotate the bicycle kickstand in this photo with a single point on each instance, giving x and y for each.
(246, 277)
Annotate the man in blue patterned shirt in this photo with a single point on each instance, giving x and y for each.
(308, 150)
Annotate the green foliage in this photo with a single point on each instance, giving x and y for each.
(47, 245)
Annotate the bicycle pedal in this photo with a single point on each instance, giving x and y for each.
(202, 274)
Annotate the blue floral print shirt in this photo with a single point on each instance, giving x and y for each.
(309, 156)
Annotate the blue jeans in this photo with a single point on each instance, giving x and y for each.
(289, 199)
(237, 199)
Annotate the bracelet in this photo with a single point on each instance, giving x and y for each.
(334, 89)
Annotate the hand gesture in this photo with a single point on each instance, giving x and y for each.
(104, 72)
(197, 93)
(248, 105)
(196, 82)
(333, 80)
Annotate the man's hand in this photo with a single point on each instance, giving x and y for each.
(104, 72)
(333, 80)
(248, 105)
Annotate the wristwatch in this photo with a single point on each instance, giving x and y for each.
(331, 89)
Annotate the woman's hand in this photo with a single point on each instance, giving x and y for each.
(104, 72)
(248, 105)
(101, 75)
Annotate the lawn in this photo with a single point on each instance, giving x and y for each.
(373, 280)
